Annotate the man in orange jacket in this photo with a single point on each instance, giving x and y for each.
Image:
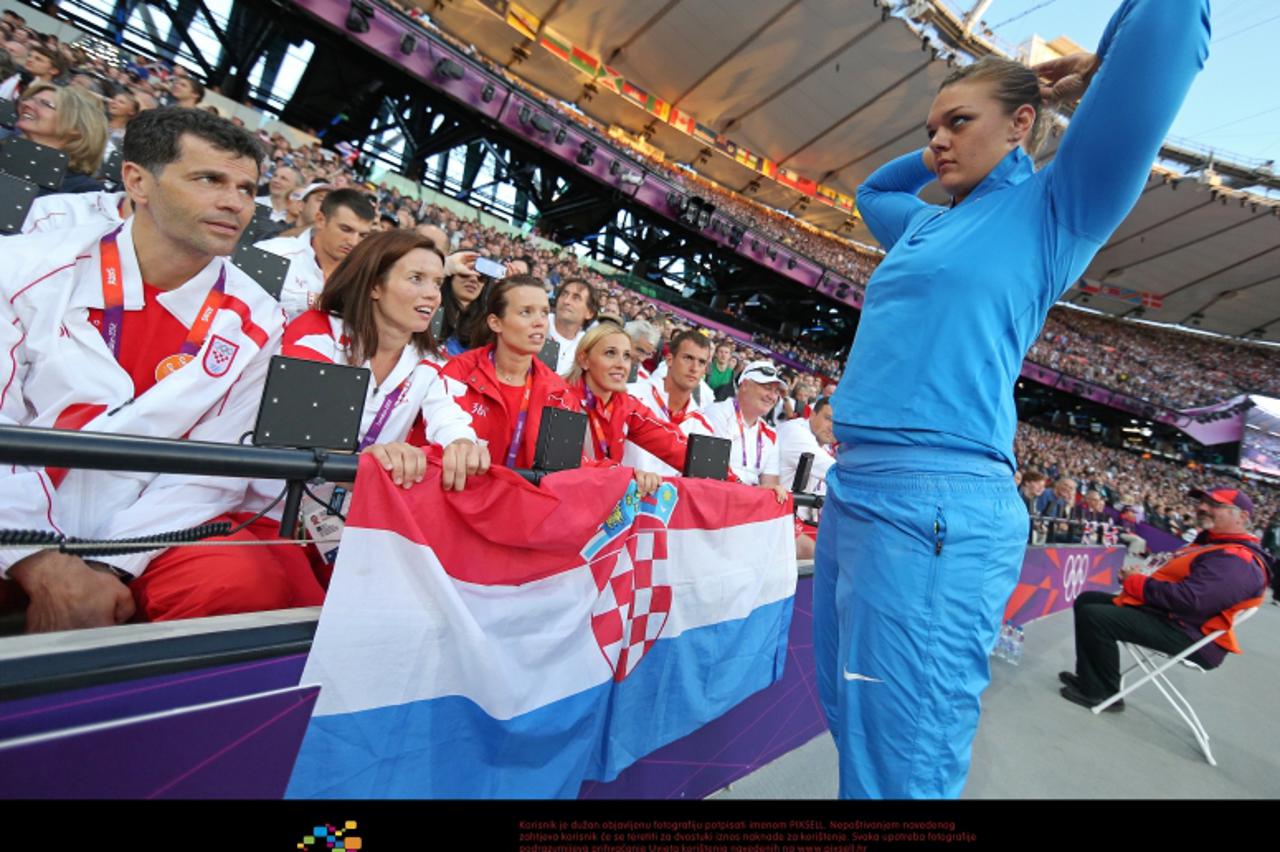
(1198, 591)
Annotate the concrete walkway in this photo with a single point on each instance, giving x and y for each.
(1032, 744)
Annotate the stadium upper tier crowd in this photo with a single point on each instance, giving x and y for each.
(469, 332)
(1175, 369)
(1142, 361)
(1153, 488)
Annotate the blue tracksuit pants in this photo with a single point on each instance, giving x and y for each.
(912, 574)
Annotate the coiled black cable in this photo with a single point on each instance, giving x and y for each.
(86, 547)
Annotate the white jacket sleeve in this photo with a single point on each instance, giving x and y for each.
(173, 501)
(295, 298)
(28, 500)
(445, 419)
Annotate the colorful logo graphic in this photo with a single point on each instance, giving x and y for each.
(326, 837)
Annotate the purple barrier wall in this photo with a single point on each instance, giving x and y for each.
(240, 748)
(28, 716)
(1159, 541)
(735, 333)
(1212, 424)
(1053, 577)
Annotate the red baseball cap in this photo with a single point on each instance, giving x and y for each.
(1226, 497)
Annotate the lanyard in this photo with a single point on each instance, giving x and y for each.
(742, 432)
(517, 432)
(113, 309)
(384, 412)
(597, 428)
(673, 419)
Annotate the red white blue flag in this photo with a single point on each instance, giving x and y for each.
(516, 641)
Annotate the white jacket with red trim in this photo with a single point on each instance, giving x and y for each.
(73, 210)
(755, 448)
(304, 279)
(653, 394)
(318, 336)
(56, 370)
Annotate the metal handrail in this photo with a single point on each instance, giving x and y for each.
(38, 447)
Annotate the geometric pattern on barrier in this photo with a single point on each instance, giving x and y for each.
(1053, 577)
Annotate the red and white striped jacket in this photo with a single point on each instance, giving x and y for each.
(690, 422)
(627, 419)
(56, 371)
(317, 336)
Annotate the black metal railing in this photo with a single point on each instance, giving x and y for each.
(36, 447)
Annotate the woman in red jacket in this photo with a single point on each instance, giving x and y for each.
(599, 382)
(507, 387)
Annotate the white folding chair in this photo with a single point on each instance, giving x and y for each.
(1147, 660)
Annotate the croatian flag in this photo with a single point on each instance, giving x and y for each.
(516, 641)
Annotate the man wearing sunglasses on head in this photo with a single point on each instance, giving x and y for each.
(753, 457)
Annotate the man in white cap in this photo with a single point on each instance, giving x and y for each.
(303, 207)
(753, 457)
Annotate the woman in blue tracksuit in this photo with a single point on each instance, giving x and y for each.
(923, 533)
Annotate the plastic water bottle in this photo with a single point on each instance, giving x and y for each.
(1001, 651)
(1015, 646)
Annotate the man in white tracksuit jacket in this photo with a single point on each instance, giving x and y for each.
(141, 328)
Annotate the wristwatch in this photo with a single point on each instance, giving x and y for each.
(121, 575)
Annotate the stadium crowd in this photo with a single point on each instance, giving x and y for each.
(829, 250)
(1172, 368)
(1151, 489)
(460, 356)
(1175, 369)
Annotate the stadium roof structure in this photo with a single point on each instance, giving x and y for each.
(824, 91)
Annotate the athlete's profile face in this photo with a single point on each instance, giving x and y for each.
(202, 201)
(970, 133)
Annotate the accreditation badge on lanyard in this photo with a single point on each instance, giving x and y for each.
(742, 432)
(113, 309)
(384, 412)
(595, 417)
(517, 431)
(673, 419)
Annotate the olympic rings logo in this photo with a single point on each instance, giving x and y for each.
(1074, 574)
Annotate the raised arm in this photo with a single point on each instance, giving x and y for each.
(887, 198)
(1149, 54)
